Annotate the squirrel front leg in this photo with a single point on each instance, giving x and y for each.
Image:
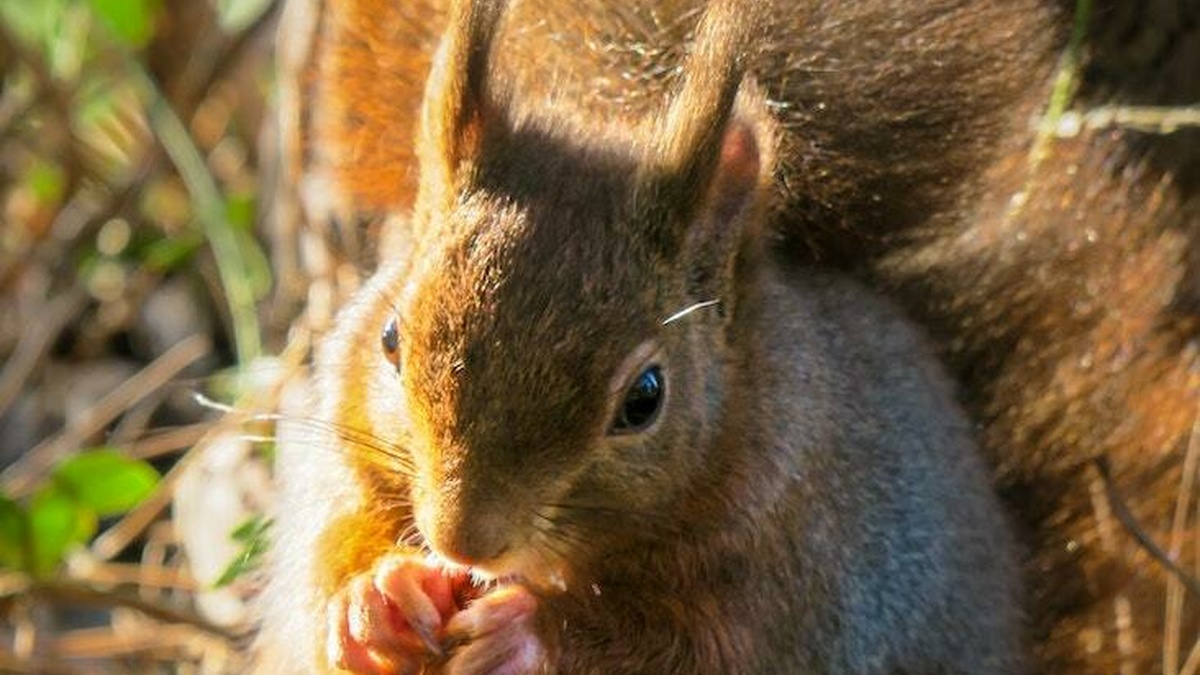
(406, 612)
(348, 596)
(368, 622)
(370, 604)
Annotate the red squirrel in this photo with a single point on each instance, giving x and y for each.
(903, 144)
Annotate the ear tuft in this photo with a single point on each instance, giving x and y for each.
(456, 97)
(714, 142)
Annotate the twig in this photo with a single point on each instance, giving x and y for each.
(25, 630)
(1129, 522)
(1066, 81)
(41, 666)
(43, 79)
(135, 420)
(36, 341)
(1150, 119)
(20, 477)
(1173, 628)
(60, 99)
(144, 575)
(196, 86)
(124, 531)
(232, 263)
(1192, 665)
(72, 592)
(123, 196)
(171, 440)
(9, 118)
(119, 535)
(105, 643)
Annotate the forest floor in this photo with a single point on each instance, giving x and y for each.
(136, 292)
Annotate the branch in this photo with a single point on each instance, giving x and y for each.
(71, 592)
(1131, 525)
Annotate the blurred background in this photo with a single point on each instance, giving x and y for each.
(137, 159)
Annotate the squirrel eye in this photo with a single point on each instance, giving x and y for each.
(642, 402)
(390, 339)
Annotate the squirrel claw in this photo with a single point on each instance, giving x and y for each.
(352, 648)
(389, 620)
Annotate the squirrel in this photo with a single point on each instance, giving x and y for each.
(852, 150)
(600, 385)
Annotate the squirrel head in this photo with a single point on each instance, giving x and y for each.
(562, 332)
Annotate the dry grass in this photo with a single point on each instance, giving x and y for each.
(133, 196)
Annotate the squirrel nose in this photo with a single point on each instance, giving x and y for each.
(468, 536)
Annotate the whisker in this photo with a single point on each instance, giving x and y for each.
(206, 402)
(358, 439)
(565, 545)
(688, 310)
(568, 534)
(268, 369)
(398, 496)
(614, 519)
(343, 432)
(381, 508)
(561, 530)
(256, 438)
(544, 546)
(411, 536)
(540, 543)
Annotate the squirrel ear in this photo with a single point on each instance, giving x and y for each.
(714, 145)
(452, 113)
(743, 161)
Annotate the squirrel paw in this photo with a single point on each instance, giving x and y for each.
(390, 620)
(496, 635)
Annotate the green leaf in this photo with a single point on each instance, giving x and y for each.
(228, 251)
(100, 118)
(14, 527)
(106, 481)
(30, 21)
(56, 521)
(131, 21)
(47, 181)
(240, 210)
(252, 534)
(56, 29)
(257, 267)
(268, 450)
(168, 253)
(254, 528)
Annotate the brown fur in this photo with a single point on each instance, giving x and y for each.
(1068, 312)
